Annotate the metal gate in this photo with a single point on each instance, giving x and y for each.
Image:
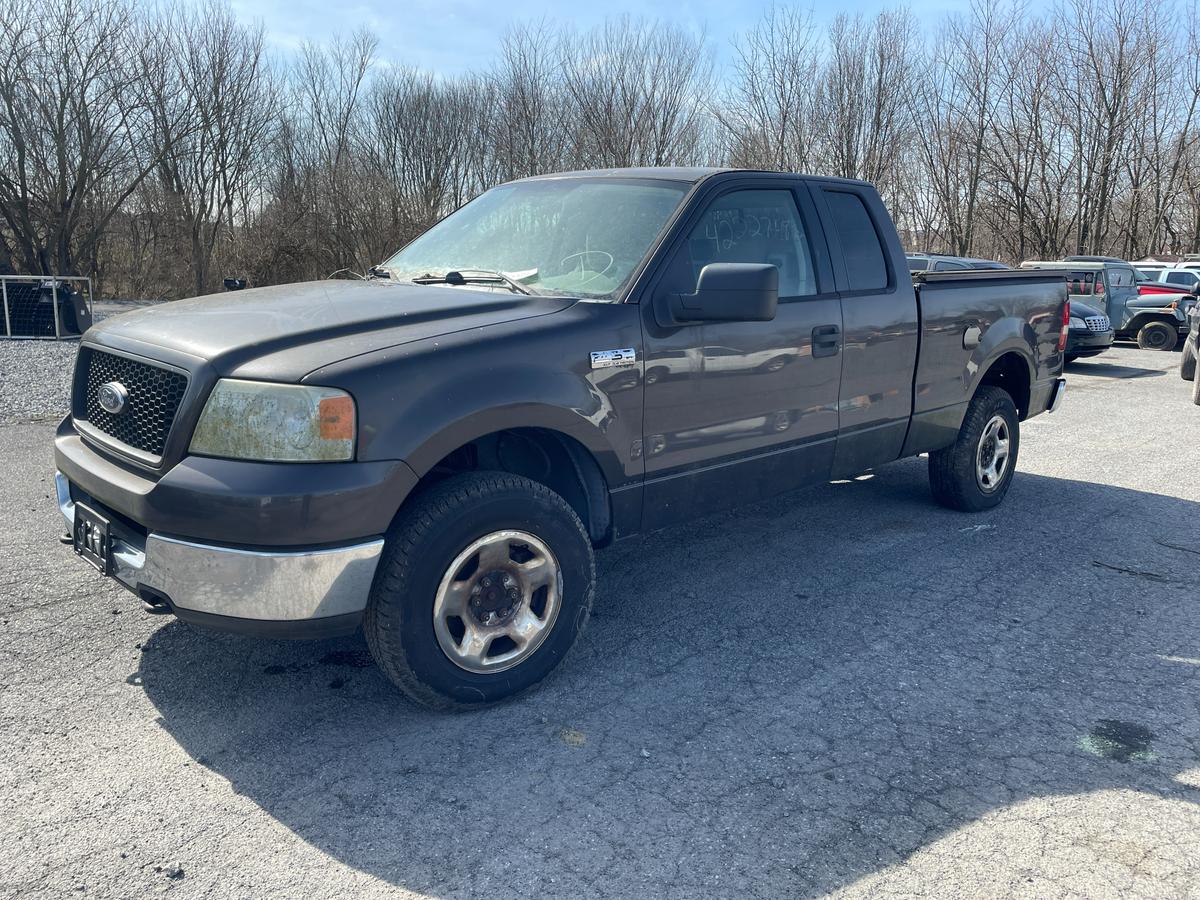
(44, 307)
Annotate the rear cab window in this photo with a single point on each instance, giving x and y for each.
(862, 247)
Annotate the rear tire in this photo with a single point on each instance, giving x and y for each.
(967, 475)
(1196, 389)
(1157, 336)
(1187, 363)
(486, 581)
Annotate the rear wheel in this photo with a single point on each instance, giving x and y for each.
(1187, 363)
(1157, 336)
(486, 581)
(974, 473)
(1196, 389)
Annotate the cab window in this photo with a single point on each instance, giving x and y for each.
(1081, 282)
(751, 226)
(1120, 277)
(862, 248)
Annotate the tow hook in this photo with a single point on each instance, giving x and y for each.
(154, 603)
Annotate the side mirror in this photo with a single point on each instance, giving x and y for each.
(725, 292)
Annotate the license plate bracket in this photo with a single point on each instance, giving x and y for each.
(93, 539)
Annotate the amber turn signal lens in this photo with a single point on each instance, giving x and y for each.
(337, 418)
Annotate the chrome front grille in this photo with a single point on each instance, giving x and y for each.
(154, 394)
(1097, 323)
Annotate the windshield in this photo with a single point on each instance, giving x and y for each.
(580, 237)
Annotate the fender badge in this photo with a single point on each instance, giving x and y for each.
(608, 359)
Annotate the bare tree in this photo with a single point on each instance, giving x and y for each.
(152, 147)
(768, 108)
(217, 74)
(71, 118)
(638, 92)
(862, 117)
(328, 87)
(526, 131)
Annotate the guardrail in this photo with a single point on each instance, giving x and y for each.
(33, 307)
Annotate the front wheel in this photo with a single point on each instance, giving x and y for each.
(486, 581)
(974, 473)
(1157, 336)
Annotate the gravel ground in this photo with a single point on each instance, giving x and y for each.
(35, 379)
(846, 690)
(35, 376)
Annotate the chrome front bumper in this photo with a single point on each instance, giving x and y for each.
(235, 583)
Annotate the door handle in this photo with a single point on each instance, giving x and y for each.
(826, 340)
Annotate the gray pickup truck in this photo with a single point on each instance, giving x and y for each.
(433, 453)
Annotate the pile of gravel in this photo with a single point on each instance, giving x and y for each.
(35, 376)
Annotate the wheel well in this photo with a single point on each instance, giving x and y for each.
(549, 457)
(1137, 323)
(1011, 374)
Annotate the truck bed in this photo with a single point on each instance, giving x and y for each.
(1015, 309)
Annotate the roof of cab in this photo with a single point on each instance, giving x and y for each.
(689, 174)
(686, 174)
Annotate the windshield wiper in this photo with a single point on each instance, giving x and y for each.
(476, 276)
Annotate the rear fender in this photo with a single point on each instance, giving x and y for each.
(933, 429)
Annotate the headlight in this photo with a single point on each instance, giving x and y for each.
(1077, 323)
(276, 422)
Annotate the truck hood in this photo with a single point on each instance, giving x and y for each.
(284, 332)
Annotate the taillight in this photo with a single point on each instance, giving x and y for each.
(1066, 326)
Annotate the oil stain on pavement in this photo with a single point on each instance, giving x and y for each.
(1120, 741)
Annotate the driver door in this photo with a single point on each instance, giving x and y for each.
(736, 411)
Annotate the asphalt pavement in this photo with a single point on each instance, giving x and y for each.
(845, 690)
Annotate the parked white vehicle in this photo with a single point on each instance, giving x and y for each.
(1187, 278)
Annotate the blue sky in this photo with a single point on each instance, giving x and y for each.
(450, 36)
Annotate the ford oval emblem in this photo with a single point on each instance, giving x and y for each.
(113, 397)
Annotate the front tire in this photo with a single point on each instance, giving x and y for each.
(1157, 336)
(486, 581)
(975, 472)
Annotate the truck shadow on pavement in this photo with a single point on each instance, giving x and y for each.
(1110, 370)
(780, 700)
